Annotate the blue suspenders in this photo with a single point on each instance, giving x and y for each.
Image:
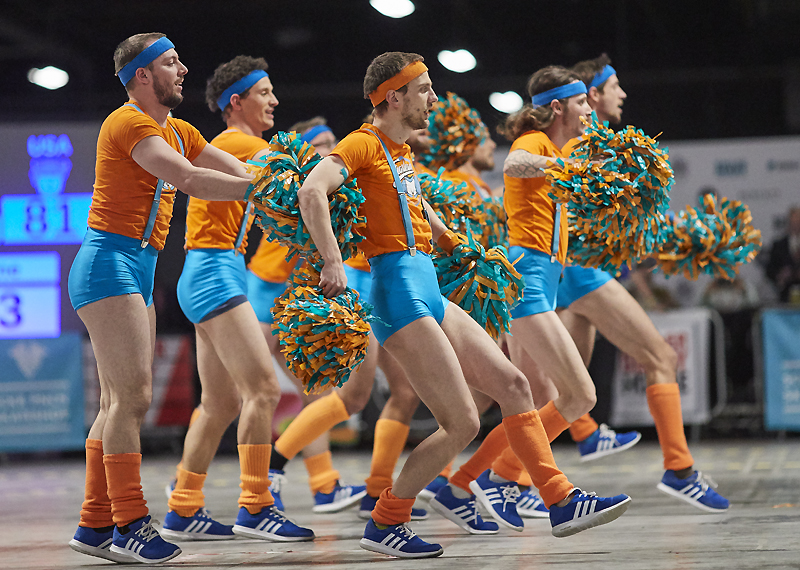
(401, 196)
(151, 220)
(243, 227)
(556, 234)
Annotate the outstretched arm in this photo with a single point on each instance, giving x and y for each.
(312, 197)
(522, 164)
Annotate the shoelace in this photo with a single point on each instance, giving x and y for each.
(204, 513)
(607, 432)
(705, 481)
(510, 494)
(147, 531)
(588, 495)
(404, 530)
(276, 481)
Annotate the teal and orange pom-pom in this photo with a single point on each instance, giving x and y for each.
(615, 186)
(324, 340)
(456, 204)
(456, 130)
(284, 168)
(482, 282)
(712, 240)
(495, 227)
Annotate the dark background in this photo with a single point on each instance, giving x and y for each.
(699, 69)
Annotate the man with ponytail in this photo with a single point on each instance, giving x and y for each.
(441, 349)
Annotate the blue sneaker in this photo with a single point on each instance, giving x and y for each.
(277, 480)
(696, 490)
(463, 512)
(199, 526)
(368, 505)
(142, 543)
(585, 511)
(433, 487)
(270, 524)
(342, 497)
(398, 540)
(96, 543)
(169, 488)
(605, 441)
(500, 499)
(531, 506)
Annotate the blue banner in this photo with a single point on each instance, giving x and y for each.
(781, 339)
(41, 394)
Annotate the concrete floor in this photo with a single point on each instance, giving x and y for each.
(40, 501)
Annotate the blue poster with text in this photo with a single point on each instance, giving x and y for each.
(781, 336)
(41, 394)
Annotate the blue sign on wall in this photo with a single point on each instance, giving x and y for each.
(41, 394)
(781, 339)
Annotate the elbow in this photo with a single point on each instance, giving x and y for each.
(306, 196)
(187, 183)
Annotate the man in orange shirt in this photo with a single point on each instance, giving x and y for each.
(143, 155)
(440, 347)
(234, 361)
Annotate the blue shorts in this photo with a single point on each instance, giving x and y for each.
(579, 281)
(404, 289)
(359, 280)
(262, 295)
(541, 281)
(108, 265)
(211, 283)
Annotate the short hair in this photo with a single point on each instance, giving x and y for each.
(303, 126)
(129, 48)
(588, 68)
(226, 74)
(529, 118)
(384, 67)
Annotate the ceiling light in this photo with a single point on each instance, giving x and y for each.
(508, 102)
(393, 8)
(458, 61)
(48, 77)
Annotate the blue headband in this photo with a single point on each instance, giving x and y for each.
(314, 132)
(144, 59)
(561, 92)
(602, 76)
(240, 86)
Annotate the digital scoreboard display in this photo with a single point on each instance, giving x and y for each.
(46, 177)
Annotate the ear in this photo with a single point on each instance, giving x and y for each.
(556, 106)
(593, 95)
(142, 74)
(393, 98)
(236, 102)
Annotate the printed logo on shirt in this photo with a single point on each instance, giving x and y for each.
(405, 170)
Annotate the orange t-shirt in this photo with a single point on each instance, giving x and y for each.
(123, 190)
(531, 212)
(421, 168)
(269, 261)
(216, 224)
(570, 146)
(365, 160)
(475, 183)
(358, 262)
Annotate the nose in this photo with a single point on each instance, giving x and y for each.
(182, 69)
(275, 101)
(432, 97)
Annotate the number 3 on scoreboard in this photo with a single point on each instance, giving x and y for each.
(10, 315)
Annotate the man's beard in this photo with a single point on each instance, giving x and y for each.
(413, 122)
(482, 164)
(166, 96)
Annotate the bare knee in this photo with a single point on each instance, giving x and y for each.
(133, 402)
(463, 428)
(354, 400)
(224, 408)
(265, 395)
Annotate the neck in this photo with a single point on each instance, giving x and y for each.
(469, 168)
(148, 103)
(393, 128)
(558, 134)
(237, 121)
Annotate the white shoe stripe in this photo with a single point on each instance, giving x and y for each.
(107, 544)
(191, 526)
(401, 545)
(386, 540)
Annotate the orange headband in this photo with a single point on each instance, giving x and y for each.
(409, 72)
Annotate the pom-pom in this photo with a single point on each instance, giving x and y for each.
(616, 190)
(495, 228)
(483, 283)
(277, 211)
(456, 130)
(323, 339)
(457, 205)
(710, 240)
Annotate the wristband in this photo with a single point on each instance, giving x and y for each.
(448, 241)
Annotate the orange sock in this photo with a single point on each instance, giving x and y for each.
(582, 428)
(254, 466)
(527, 438)
(125, 487)
(96, 508)
(525, 478)
(491, 447)
(314, 420)
(664, 401)
(552, 420)
(391, 510)
(322, 477)
(390, 440)
(187, 497)
(508, 466)
(447, 470)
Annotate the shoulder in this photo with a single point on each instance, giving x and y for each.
(534, 142)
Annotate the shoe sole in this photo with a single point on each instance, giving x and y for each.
(612, 451)
(426, 495)
(78, 546)
(261, 535)
(341, 505)
(672, 492)
(373, 546)
(131, 557)
(193, 536)
(487, 504)
(532, 514)
(447, 513)
(585, 523)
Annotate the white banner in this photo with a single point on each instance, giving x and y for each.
(687, 331)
